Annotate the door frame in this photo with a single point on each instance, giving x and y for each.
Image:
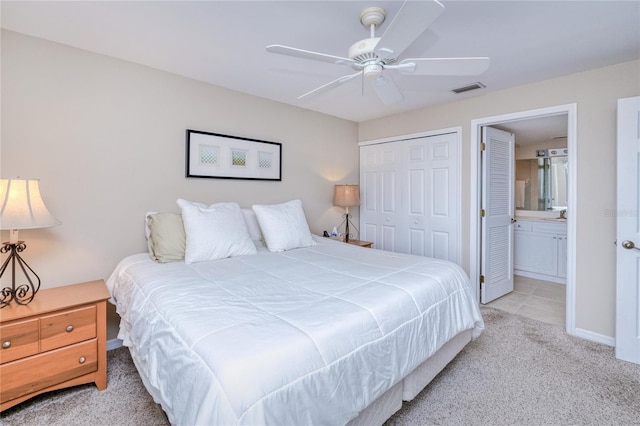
(476, 184)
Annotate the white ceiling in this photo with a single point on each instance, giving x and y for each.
(223, 43)
(531, 131)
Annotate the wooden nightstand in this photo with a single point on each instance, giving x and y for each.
(57, 341)
(367, 244)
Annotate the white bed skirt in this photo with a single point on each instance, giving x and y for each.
(390, 402)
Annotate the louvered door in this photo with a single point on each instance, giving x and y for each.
(498, 210)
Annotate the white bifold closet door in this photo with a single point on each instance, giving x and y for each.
(410, 196)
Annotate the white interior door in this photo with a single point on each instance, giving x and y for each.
(628, 231)
(498, 179)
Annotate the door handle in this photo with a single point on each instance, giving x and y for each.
(629, 245)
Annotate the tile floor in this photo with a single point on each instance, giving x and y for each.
(541, 300)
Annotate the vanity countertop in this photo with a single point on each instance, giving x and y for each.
(553, 219)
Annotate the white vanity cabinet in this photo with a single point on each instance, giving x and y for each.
(541, 250)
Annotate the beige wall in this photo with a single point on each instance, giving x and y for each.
(595, 93)
(107, 140)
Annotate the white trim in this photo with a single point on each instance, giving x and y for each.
(595, 337)
(535, 275)
(413, 136)
(114, 344)
(458, 131)
(474, 227)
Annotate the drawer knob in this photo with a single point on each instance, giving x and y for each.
(69, 328)
(82, 360)
(6, 345)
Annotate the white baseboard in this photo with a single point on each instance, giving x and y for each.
(114, 344)
(595, 337)
(534, 275)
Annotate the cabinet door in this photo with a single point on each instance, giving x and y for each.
(562, 256)
(535, 252)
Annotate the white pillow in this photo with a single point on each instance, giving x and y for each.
(284, 226)
(252, 224)
(214, 232)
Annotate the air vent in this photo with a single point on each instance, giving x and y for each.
(474, 86)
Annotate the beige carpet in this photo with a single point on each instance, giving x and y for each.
(519, 372)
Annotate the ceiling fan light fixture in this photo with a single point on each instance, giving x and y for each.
(372, 70)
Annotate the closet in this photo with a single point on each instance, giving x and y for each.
(410, 195)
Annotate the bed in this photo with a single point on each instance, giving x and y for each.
(322, 333)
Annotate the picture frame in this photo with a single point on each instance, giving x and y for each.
(218, 156)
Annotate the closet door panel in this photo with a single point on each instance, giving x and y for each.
(389, 192)
(440, 203)
(416, 192)
(443, 205)
(417, 242)
(368, 189)
(416, 197)
(441, 245)
(389, 239)
(381, 202)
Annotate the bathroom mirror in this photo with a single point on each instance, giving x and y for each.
(541, 184)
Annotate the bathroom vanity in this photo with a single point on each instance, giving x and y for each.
(541, 248)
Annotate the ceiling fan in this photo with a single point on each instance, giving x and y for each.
(372, 56)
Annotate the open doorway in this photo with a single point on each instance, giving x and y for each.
(568, 115)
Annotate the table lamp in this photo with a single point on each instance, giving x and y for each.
(346, 196)
(21, 207)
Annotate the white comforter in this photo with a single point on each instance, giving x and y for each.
(306, 336)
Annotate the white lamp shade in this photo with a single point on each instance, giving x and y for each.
(21, 206)
(346, 195)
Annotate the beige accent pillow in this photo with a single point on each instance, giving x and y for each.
(166, 240)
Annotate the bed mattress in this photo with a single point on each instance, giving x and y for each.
(306, 336)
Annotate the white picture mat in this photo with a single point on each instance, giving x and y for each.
(221, 164)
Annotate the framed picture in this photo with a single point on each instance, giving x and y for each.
(216, 156)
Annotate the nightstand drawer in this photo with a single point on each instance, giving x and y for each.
(19, 339)
(67, 327)
(31, 374)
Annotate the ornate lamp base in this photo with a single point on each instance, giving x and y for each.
(23, 293)
(347, 233)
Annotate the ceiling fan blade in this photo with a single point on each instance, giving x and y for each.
(307, 54)
(411, 20)
(444, 66)
(387, 90)
(335, 83)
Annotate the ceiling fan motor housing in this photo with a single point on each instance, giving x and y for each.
(362, 50)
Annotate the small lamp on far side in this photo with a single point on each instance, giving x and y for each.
(21, 207)
(346, 196)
